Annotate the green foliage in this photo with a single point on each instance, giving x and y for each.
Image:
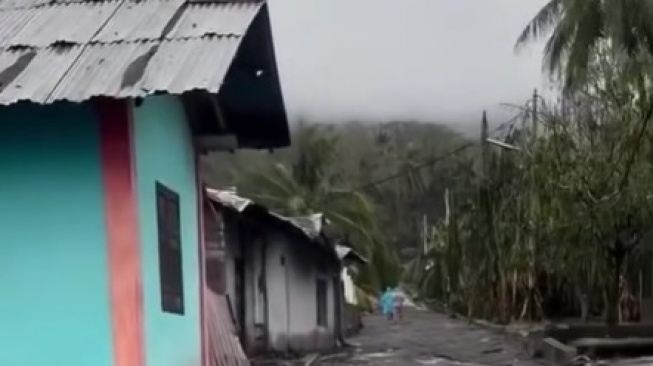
(578, 29)
(570, 209)
(328, 169)
(560, 226)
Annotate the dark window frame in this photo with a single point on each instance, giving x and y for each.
(171, 278)
(322, 306)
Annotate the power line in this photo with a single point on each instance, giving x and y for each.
(431, 161)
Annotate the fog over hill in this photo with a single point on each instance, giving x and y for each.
(415, 60)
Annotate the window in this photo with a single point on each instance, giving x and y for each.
(170, 267)
(321, 295)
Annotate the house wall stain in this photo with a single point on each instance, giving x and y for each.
(53, 264)
(292, 292)
(165, 153)
(289, 276)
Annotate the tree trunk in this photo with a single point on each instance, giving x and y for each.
(612, 317)
(503, 294)
(583, 300)
(513, 303)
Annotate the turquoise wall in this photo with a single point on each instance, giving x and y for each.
(164, 153)
(54, 297)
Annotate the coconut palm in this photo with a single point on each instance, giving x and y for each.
(576, 29)
(314, 183)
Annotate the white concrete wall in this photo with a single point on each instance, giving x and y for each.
(290, 308)
(291, 282)
(349, 287)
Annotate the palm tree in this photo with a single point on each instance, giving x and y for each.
(577, 29)
(314, 183)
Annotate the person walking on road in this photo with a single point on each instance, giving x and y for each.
(387, 303)
(397, 305)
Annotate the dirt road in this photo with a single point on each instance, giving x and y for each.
(427, 338)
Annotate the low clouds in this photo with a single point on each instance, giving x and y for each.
(429, 60)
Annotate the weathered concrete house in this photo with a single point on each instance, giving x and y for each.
(352, 262)
(105, 107)
(282, 276)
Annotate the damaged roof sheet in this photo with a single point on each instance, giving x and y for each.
(229, 199)
(347, 252)
(75, 50)
(310, 225)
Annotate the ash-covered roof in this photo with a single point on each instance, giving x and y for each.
(54, 50)
(311, 226)
(345, 252)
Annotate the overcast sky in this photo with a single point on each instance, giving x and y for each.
(429, 60)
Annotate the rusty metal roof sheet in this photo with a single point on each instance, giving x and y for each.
(83, 48)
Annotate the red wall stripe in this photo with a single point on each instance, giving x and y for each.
(123, 239)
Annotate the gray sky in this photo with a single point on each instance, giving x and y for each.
(429, 60)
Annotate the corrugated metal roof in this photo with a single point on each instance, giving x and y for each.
(177, 66)
(139, 21)
(40, 77)
(84, 48)
(207, 18)
(77, 73)
(12, 4)
(42, 26)
(146, 20)
(224, 346)
(344, 252)
(229, 198)
(310, 225)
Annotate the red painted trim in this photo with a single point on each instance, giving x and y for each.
(204, 337)
(123, 239)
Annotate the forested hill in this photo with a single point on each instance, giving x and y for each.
(366, 153)
(359, 143)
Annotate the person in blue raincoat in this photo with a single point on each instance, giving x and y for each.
(386, 303)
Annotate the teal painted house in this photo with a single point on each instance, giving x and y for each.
(105, 108)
